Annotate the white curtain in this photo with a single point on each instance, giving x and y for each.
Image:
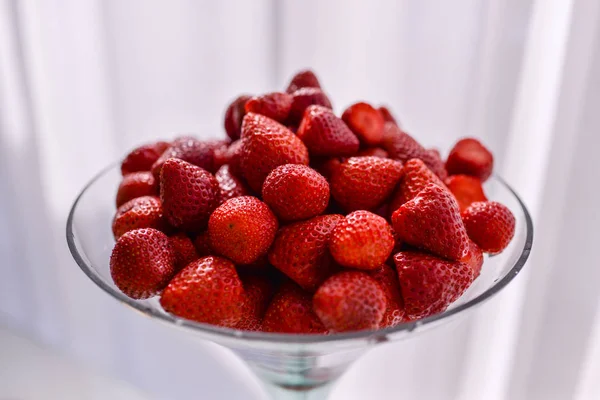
(82, 81)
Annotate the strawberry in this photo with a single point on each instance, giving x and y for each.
(291, 311)
(233, 157)
(189, 194)
(266, 145)
(141, 212)
(362, 240)
(430, 284)
(364, 183)
(142, 263)
(470, 157)
(387, 278)
(258, 290)
(189, 149)
(300, 250)
(230, 185)
(387, 114)
(302, 79)
(234, 115)
(432, 221)
(296, 192)
(475, 259)
(350, 301)
(366, 122)
(489, 224)
(326, 165)
(220, 156)
(466, 189)
(274, 105)
(207, 290)
(305, 97)
(373, 151)
(324, 134)
(242, 229)
(415, 177)
(136, 184)
(142, 157)
(183, 250)
(202, 245)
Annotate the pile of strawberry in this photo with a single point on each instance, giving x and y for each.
(304, 222)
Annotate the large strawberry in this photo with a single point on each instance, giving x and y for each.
(242, 229)
(142, 263)
(302, 79)
(234, 115)
(432, 221)
(141, 158)
(258, 290)
(183, 250)
(324, 134)
(489, 224)
(136, 184)
(300, 250)
(266, 144)
(470, 157)
(141, 212)
(350, 301)
(194, 151)
(303, 98)
(364, 183)
(430, 284)
(366, 122)
(189, 194)
(274, 105)
(387, 278)
(415, 177)
(231, 186)
(207, 290)
(466, 189)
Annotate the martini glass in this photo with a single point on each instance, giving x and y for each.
(291, 366)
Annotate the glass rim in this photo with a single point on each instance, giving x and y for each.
(286, 338)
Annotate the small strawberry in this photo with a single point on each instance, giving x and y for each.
(207, 290)
(366, 122)
(142, 158)
(364, 183)
(220, 157)
(258, 291)
(432, 221)
(296, 192)
(489, 224)
(362, 240)
(302, 79)
(233, 157)
(274, 105)
(141, 212)
(183, 250)
(387, 278)
(189, 194)
(324, 134)
(300, 250)
(266, 144)
(305, 97)
(191, 150)
(202, 245)
(387, 114)
(234, 115)
(475, 259)
(291, 311)
(373, 151)
(415, 177)
(350, 301)
(142, 263)
(242, 229)
(430, 284)
(136, 184)
(231, 186)
(466, 189)
(470, 157)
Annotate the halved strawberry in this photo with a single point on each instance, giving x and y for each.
(466, 189)
(303, 98)
(231, 186)
(258, 291)
(233, 116)
(141, 212)
(387, 278)
(470, 157)
(302, 79)
(141, 158)
(387, 114)
(366, 122)
(415, 177)
(136, 184)
(183, 250)
(274, 105)
(324, 134)
(489, 224)
(191, 150)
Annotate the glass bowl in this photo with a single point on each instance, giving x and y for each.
(292, 366)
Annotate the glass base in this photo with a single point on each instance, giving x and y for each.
(299, 393)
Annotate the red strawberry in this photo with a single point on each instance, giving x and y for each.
(189, 194)
(242, 229)
(192, 150)
(300, 250)
(220, 156)
(386, 114)
(207, 290)
(274, 105)
(365, 121)
(266, 145)
(432, 221)
(202, 245)
(362, 240)
(466, 189)
(233, 157)
(291, 311)
(234, 115)
(136, 184)
(489, 224)
(324, 134)
(475, 259)
(470, 157)
(305, 97)
(142, 263)
(142, 158)
(430, 284)
(230, 185)
(302, 79)
(141, 212)
(350, 301)
(183, 250)
(387, 278)
(415, 177)
(373, 151)
(364, 183)
(296, 192)
(258, 291)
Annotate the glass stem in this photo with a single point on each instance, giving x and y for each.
(298, 393)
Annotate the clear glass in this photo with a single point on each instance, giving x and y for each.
(292, 366)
